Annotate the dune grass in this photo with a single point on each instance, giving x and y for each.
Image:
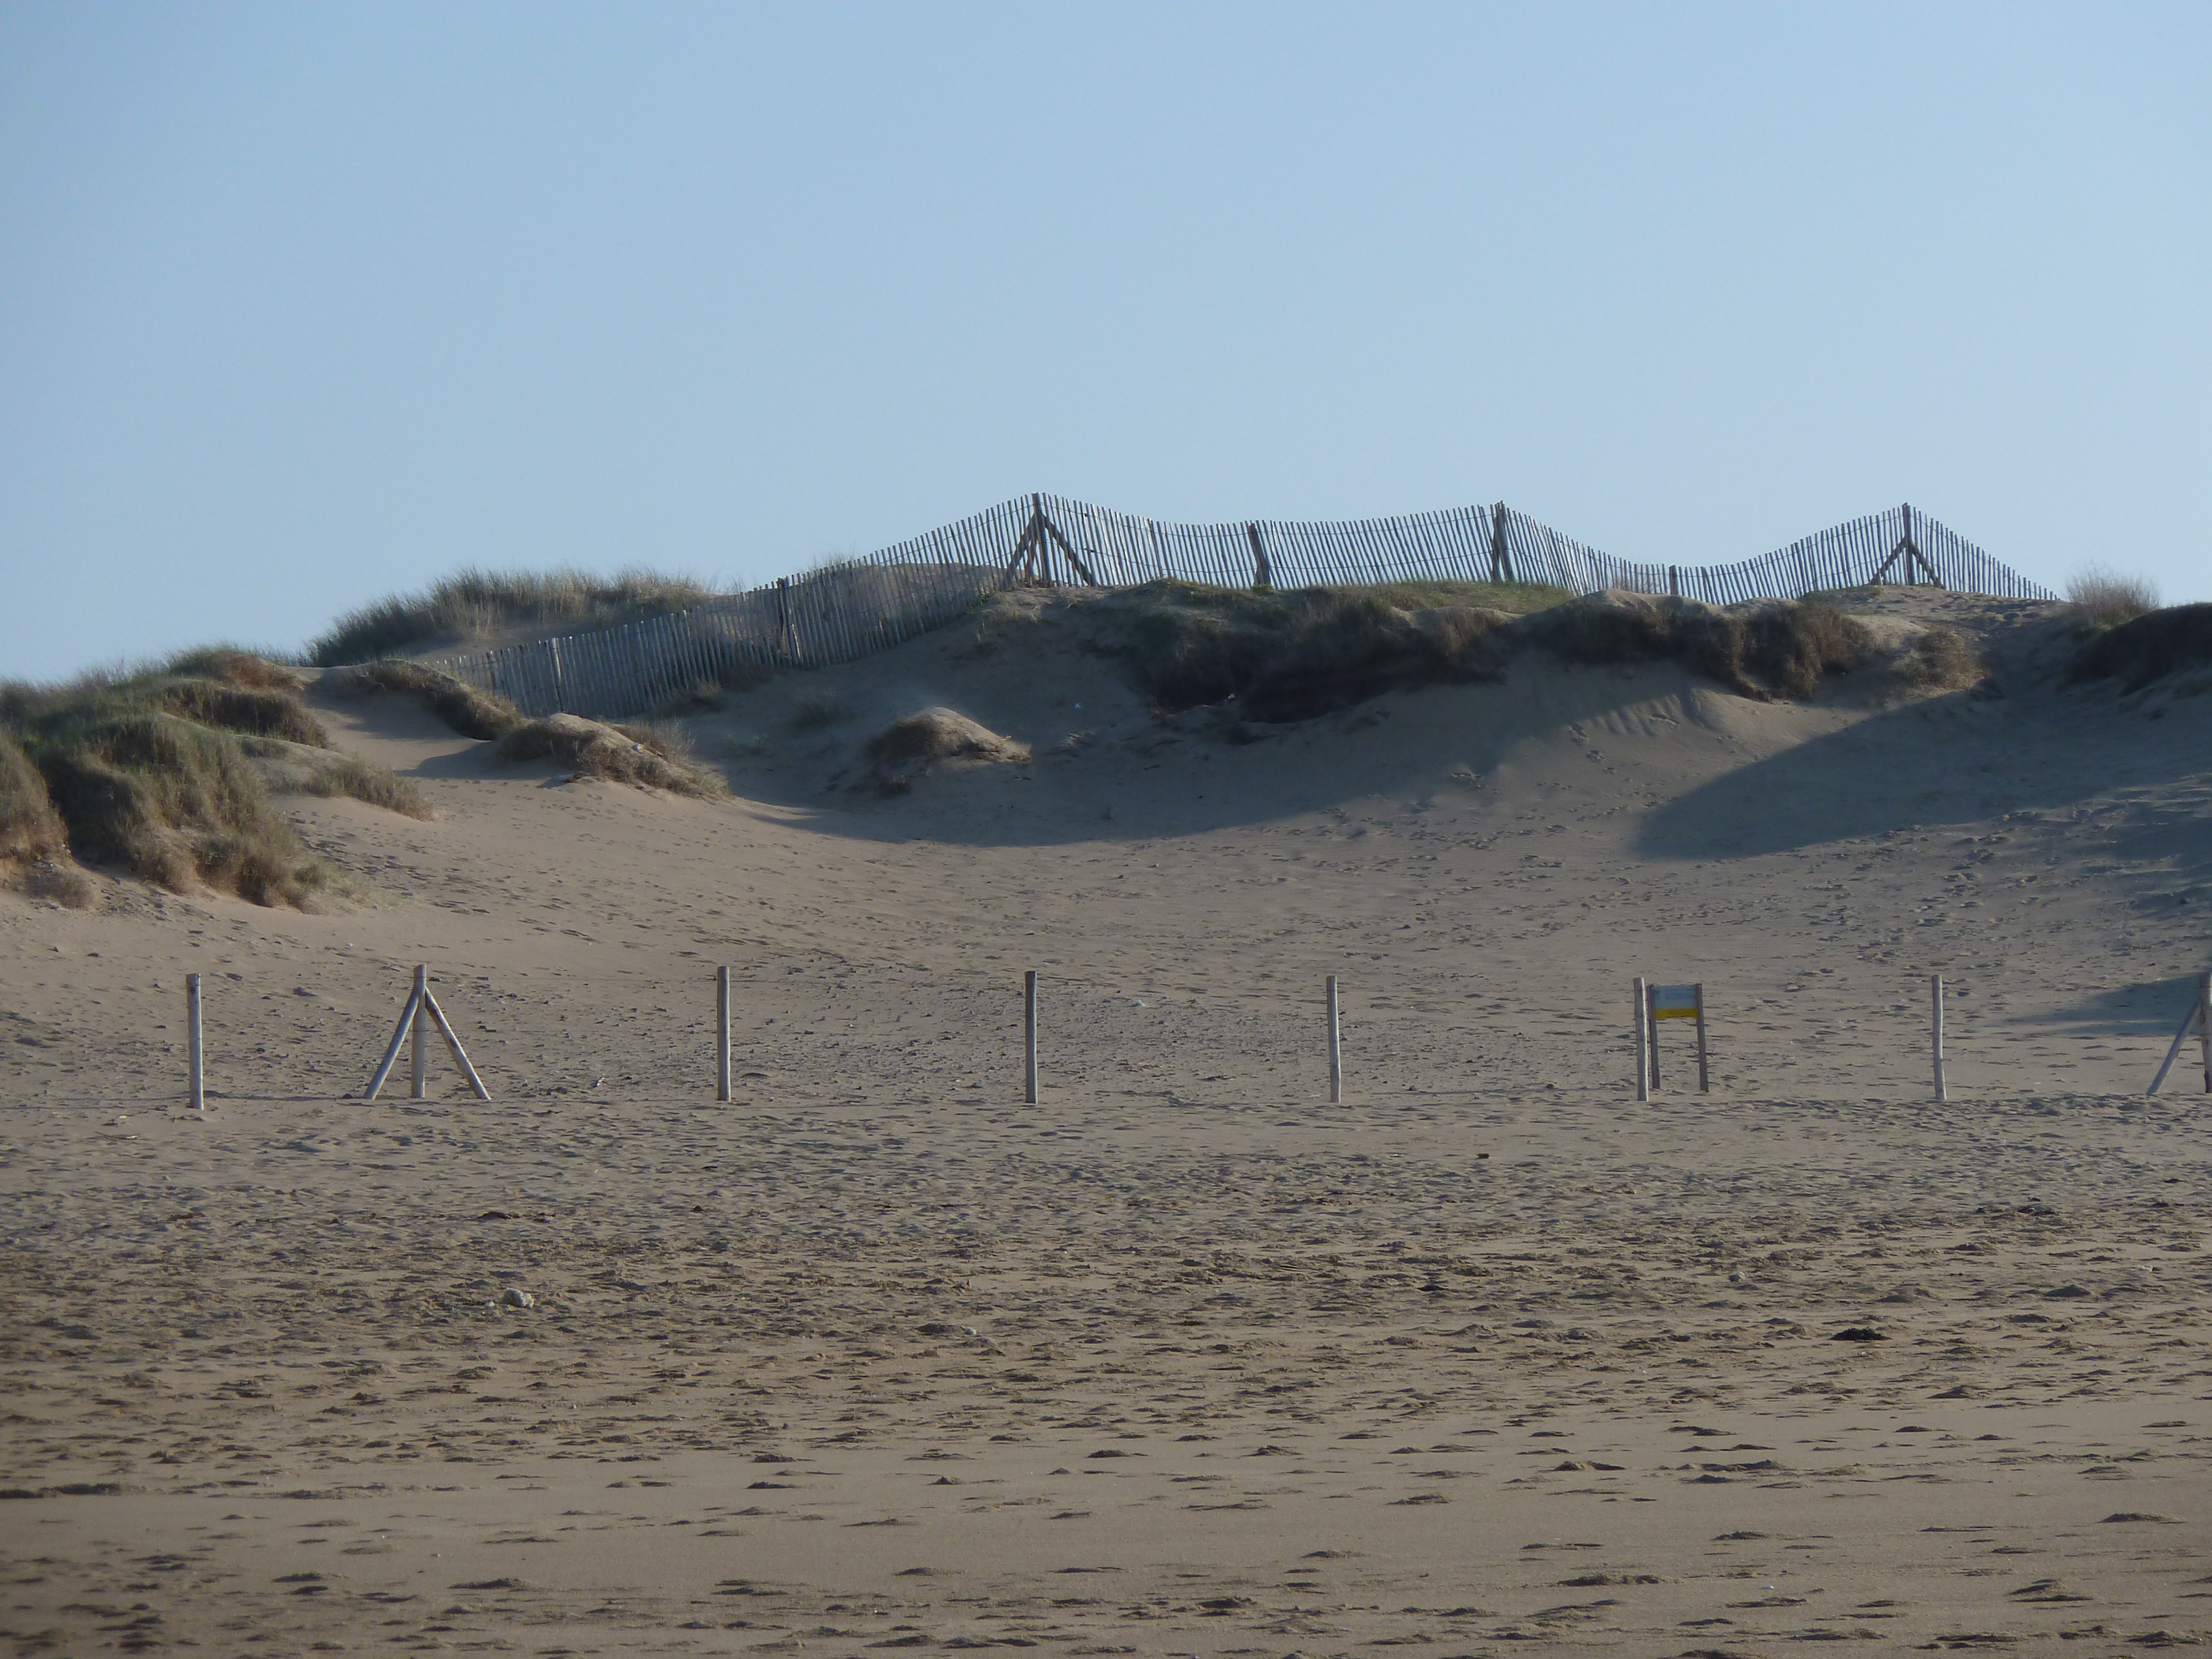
(474, 603)
(2149, 647)
(646, 756)
(469, 709)
(265, 711)
(154, 771)
(1290, 655)
(170, 802)
(34, 851)
(2104, 597)
(293, 769)
(1516, 598)
(236, 665)
(907, 747)
(1941, 660)
(1778, 649)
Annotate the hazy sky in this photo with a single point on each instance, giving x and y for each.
(303, 304)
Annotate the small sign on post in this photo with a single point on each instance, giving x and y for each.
(2196, 1023)
(1672, 1002)
(415, 1020)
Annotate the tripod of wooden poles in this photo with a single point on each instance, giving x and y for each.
(415, 1020)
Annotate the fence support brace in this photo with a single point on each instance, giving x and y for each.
(1032, 560)
(412, 1020)
(1908, 550)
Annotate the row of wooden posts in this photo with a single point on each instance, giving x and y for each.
(1654, 1004)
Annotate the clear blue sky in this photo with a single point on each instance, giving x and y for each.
(303, 304)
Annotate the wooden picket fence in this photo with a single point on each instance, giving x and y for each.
(857, 607)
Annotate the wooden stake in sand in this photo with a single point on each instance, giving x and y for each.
(192, 1042)
(419, 1045)
(1643, 1041)
(722, 1038)
(1676, 1002)
(1935, 1033)
(421, 1012)
(2199, 1021)
(1335, 1048)
(1029, 1037)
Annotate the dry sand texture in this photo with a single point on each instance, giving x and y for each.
(1180, 1360)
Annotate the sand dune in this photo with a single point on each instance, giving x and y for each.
(1182, 1359)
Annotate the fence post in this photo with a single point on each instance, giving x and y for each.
(1643, 1041)
(722, 1029)
(2204, 1026)
(198, 1061)
(1651, 1030)
(419, 1039)
(1704, 1076)
(1501, 553)
(1029, 1036)
(1263, 578)
(1936, 1031)
(1335, 1046)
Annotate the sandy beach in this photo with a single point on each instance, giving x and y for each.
(1492, 1353)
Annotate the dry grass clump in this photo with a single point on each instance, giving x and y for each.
(1779, 648)
(35, 852)
(1516, 598)
(236, 665)
(645, 755)
(292, 768)
(156, 770)
(473, 604)
(172, 802)
(2149, 647)
(265, 711)
(1941, 660)
(2103, 598)
(347, 775)
(908, 747)
(469, 709)
(30, 829)
(1292, 655)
